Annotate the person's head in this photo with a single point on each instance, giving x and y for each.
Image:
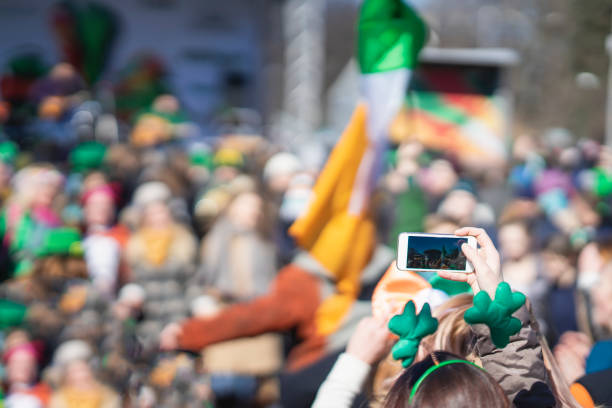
(151, 200)
(72, 360)
(157, 215)
(514, 240)
(559, 260)
(457, 384)
(453, 335)
(21, 364)
(279, 170)
(601, 294)
(439, 177)
(37, 185)
(459, 205)
(438, 224)
(99, 206)
(78, 374)
(246, 210)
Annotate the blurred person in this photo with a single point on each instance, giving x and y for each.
(161, 255)
(239, 264)
(601, 293)
(279, 170)
(409, 202)
(558, 260)
(463, 385)
(229, 163)
(520, 263)
(29, 214)
(8, 155)
(294, 204)
(290, 305)
(21, 383)
(158, 124)
(78, 387)
(438, 178)
(455, 336)
(368, 345)
(459, 203)
(237, 259)
(105, 242)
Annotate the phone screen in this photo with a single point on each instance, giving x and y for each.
(436, 253)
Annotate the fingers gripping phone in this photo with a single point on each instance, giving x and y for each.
(433, 252)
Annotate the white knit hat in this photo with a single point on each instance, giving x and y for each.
(150, 192)
(280, 164)
(72, 350)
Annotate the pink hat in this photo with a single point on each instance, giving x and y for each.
(101, 189)
(29, 347)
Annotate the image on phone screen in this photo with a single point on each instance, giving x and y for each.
(436, 253)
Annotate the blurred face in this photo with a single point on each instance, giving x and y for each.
(246, 211)
(557, 266)
(459, 205)
(601, 294)
(439, 178)
(21, 368)
(280, 182)
(514, 241)
(79, 375)
(225, 174)
(99, 210)
(44, 194)
(443, 228)
(157, 216)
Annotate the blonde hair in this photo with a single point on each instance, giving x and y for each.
(454, 335)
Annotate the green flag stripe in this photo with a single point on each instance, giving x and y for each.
(391, 35)
(433, 104)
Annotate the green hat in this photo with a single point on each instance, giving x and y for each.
(8, 152)
(201, 158)
(61, 241)
(88, 156)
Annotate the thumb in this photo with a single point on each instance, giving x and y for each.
(472, 255)
(487, 279)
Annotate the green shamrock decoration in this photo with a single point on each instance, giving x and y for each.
(411, 328)
(497, 314)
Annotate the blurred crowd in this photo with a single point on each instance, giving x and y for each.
(119, 218)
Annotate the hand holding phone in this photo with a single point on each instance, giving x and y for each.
(433, 252)
(485, 260)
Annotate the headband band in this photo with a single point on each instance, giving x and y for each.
(434, 368)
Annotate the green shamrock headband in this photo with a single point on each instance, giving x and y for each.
(496, 314)
(411, 328)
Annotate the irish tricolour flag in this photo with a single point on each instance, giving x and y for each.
(337, 229)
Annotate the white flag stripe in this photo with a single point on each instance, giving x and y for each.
(384, 94)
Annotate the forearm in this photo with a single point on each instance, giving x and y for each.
(293, 299)
(343, 383)
(519, 367)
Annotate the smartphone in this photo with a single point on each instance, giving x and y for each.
(433, 252)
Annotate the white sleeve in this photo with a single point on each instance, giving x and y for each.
(102, 256)
(343, 383)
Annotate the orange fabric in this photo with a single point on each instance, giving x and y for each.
(394, 290)
(582, 395)
(41, 391)
(157, 243)
(119, 233)
(291, 303)
(340, 240)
